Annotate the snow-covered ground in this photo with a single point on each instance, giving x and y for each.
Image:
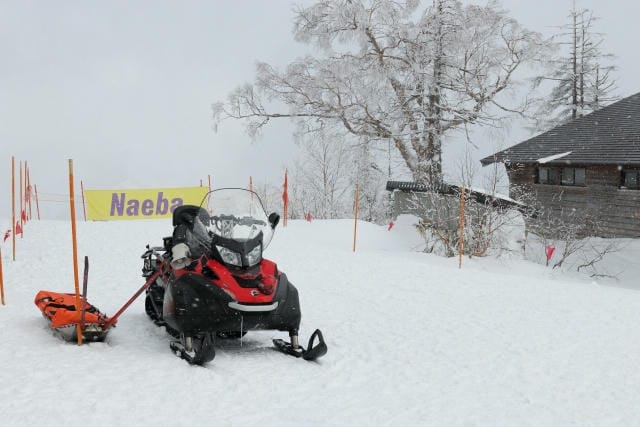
(413, 340)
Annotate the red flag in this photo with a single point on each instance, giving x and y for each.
(18, 228)
(309, 216)
(285, 200)
(549, 251)
(391, 224)
(23, 215)
(6, 235)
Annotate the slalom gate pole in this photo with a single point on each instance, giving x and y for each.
(461, 229)
(75, 248)
(13, 205)
(355, 222)
(114, 318)
(35, 189)
(209, 178)
(28, 187)
(24, 193)
(21, 202)
(251, 189)
(1, 281)
(84, 208)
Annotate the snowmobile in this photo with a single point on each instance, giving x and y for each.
(210, 280)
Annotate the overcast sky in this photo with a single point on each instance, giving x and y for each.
(125, 87)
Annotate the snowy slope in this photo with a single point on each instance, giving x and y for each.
(413, 340)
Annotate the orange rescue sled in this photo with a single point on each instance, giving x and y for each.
(60, 310)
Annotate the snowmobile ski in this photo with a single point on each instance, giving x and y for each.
(311, 353)
(197, 350)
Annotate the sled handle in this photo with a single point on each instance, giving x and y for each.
(85, 279)
(148, 283)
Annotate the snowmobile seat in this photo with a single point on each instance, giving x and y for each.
(190, 236)
(167, 242)
(186, 214)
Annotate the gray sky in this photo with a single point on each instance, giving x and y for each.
(125, 87)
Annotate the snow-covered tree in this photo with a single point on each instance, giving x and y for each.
(321, 175)
(581, 74)
(392, 71)
(370, 178)
(270, 196)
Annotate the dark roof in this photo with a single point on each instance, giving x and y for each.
(610, 135)
(479, 196)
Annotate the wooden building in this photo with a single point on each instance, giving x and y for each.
(423, 201)
(586, 171)
(417, 199)
(439, 209)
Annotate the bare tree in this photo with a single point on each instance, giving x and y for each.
(569, 231)
(371, 185)
(488, 223)
(581, 74)
(438, 221)
(596, 253)
(322, 174)
(388, 72)
(491, 227)
(270, 196)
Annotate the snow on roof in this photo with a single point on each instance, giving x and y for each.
(554, 157)
(495, 195)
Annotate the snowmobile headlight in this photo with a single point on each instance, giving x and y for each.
(254, 256)
(229, 256)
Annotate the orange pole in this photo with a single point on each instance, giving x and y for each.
(21, 201)
(84, 208)
(1, 284)
(13, 205)
(35, 189)
(355, 223)
(461, 229)
(209, 177)
(29, 189)
(27, 195)
(75, 249)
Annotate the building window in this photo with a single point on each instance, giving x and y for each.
(561, 176)
(631, 178)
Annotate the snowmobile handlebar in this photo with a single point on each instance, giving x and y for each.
(246, 220)
(152, 251)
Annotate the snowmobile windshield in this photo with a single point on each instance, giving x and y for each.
(237, 214)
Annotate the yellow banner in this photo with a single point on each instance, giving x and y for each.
(149, 203)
